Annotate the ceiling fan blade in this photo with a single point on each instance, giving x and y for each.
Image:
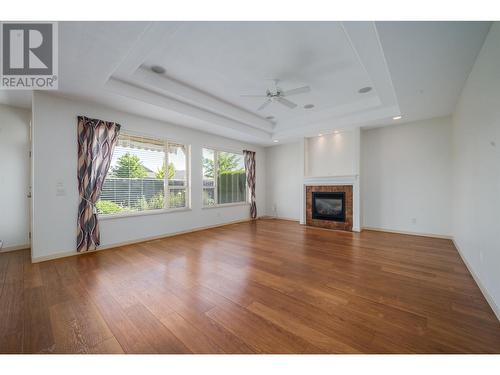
(299, 90)
(253, 96)
(264, 105)
(286, 102)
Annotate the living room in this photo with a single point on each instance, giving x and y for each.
(265, 187)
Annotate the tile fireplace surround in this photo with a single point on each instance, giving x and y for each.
(333, 181)
(328, 224)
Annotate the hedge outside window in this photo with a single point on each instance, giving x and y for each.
(224, 178)
(145, 174)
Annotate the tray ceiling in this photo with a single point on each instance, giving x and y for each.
(209, 65)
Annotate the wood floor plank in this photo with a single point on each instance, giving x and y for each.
(289, 323)
(38, 333)
(225, 339)
(157, 335)
(11, 321)
(129, 337)
(77, 324)
(266, 286)
(108, 346)
(194, 339)
(260, 334)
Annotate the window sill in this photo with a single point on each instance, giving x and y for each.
(226, 205)
(143, 213)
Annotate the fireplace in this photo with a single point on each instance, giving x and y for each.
(328, 206)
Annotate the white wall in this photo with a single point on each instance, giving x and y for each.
(285, 171)
(333, 154)
(476, 146)
(288, 164)
(55, 162)
(406, 177)
(14, 176)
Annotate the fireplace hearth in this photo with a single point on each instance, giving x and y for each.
(328, 206)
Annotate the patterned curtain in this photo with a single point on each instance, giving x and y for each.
(96, 142)
(250, 168)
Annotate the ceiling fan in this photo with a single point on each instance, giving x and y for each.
(277, 95)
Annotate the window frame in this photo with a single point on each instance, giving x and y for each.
(217, 150)
(166, 188)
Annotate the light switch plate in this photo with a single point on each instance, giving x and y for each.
(60, 190)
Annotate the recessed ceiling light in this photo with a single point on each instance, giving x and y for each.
(397, 117)
(335, 132)
(364, 90)
(275, 141)
(320, 135)
(270, 118)
(158, 69)
(309, 106)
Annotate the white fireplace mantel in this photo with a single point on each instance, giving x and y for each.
(331, 180)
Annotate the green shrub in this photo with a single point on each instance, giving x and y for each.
(155, 202)
(177, 199)
(142, 204)
(108, 207)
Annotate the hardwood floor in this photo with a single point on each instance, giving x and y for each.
(270, 286)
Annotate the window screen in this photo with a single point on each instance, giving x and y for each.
(224, 178)
(145, 174)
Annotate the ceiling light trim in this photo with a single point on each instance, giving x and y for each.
(363, 104)
(166, 85)
(127, 89)
(155, 34)
(348, 122)
(365, 41)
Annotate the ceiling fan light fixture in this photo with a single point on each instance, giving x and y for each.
(277, 95)
(275, 141)
(397, 117)
(309, 106)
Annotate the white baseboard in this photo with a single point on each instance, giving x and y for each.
(433, 235)
(14, 248)
(482, 288)
(267, 217)
(144, 239)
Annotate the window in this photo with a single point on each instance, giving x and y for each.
(224, 178)
(145, 174)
